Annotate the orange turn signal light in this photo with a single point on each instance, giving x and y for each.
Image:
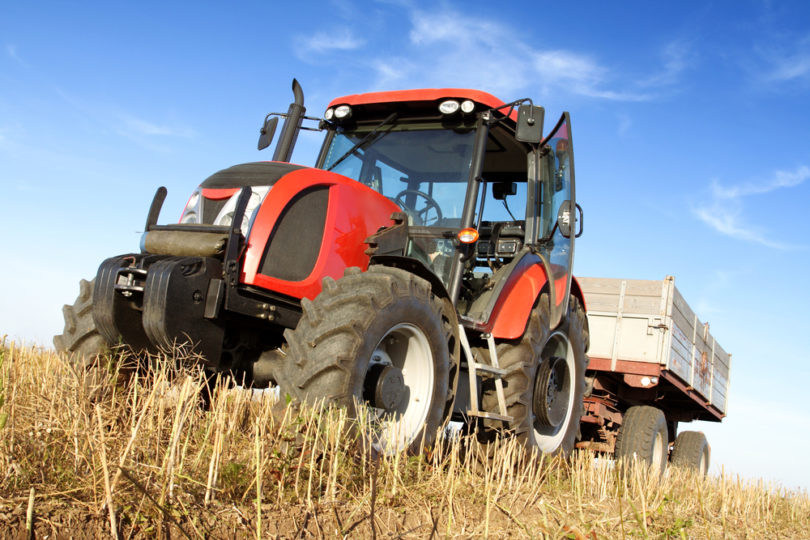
(468, 236)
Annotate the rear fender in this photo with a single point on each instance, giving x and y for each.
(576, 290)
(512, 312)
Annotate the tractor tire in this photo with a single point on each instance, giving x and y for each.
(382, 338)
(691, 450)
(643, 437)
(81, 340)
(533, 363)
(578, 311)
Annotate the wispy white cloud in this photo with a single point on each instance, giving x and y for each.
(391, 72)
(112, 119)
(623, 124)
(11, 52)
(724, 210)
(779, 179)
(677, 57)
(446, 47)
(727, 220)
(334, 40)
(786, 63)
(131, 124)
(443, 26)
(449, 48)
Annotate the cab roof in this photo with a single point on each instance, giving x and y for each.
(421, 95)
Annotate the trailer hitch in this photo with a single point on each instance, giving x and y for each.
(130, 280)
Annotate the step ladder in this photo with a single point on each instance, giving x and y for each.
(491, 370)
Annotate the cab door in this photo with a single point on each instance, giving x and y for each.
(557, 227)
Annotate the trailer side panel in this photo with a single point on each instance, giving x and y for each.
(649, 322)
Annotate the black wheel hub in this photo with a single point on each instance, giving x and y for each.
(552, 389)
(385, 387)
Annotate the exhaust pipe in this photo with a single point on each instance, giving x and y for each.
(292, 125)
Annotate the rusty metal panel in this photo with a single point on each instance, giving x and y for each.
(650, 321)
(680, 358)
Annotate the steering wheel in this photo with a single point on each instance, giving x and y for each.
(430, 203)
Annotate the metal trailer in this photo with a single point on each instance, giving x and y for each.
(653, 364)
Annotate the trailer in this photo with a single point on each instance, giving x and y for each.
(653, 365)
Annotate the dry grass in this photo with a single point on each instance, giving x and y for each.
(140, 457)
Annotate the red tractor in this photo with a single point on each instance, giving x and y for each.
(379, 276)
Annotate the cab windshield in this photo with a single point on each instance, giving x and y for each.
(423, 167)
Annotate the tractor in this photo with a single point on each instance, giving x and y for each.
(431, 243)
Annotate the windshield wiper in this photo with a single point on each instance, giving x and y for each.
(391, 117)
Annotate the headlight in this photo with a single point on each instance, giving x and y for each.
(191, 214)
(448, 107)
(343, 112)
(225, 217)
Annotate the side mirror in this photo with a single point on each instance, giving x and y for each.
(530, 124)
(267, 131)
(501, 189)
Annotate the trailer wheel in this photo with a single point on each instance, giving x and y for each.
(379, 338)
(643, 436)
(81, 339)
(544, 382)
(691, 450)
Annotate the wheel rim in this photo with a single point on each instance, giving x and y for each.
(398, 387)
(548, 437)
(551, 391)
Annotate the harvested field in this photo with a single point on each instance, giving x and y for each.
(105, 452)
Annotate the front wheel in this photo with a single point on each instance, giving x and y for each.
(80, 339)
(380, 339)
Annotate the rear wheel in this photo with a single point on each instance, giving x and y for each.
(643, 437)
(544, 382)
(691, 450)
(80, 338)
(379, 338)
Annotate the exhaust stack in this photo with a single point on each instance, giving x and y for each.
(292, 125)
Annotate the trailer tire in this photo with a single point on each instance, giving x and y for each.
(528, 360)
(348, 348)
(643, 437)
(691, 450)
(80, 339)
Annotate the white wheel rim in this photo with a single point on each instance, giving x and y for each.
(406, 347)
(549, 439)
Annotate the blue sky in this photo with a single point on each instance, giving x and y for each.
(690, 124)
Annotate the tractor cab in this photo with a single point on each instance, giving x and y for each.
(479, 188)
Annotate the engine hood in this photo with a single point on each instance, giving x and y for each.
(260, 173)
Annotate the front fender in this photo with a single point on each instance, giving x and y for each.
(312, 224)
